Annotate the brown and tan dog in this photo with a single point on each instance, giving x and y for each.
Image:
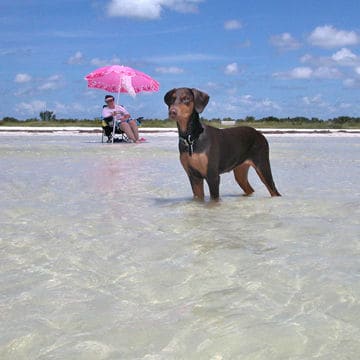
(206, 152)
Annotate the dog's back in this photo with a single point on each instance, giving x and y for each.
(235, 145)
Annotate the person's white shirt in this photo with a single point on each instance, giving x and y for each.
(121, 112)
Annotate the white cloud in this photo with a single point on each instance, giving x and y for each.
(183, 6)
(232, 25)
(140, 9)
(231, 69)
(232, 90)
(211, 85)
(302, 72)
(317, 104)
(149, 9)
(306, 58)
(306, 73)
(169, 70)
(104, 62)
(237, 106)
(328, 36)
(51, 83)
(246, 99)
(316, 60)
(284, 42)
(351, 83)
(326, 72)
(345, 57)
(16, 51)
(357, 70)
(315, 100)
(62, 110)
(32, 108)
(22, 78)
(259, 104)
(190, 57)
(48, 86)
(76, 59)
(68, 109)
(345, 105)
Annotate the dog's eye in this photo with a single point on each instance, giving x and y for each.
(186, 100)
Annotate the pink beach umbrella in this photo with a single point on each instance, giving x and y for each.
(121, 79)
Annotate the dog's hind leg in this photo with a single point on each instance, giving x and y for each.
(263, 169)
(241, 176)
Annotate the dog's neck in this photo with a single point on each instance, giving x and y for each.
(194, 127)
(192, 133)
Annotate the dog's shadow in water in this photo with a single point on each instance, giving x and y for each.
(173, 201)
(184, 201)
(226, 198)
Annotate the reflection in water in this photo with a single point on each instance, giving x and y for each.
(105, 256)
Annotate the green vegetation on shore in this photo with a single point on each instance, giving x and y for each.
(342, 122)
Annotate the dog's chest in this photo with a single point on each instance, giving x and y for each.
(197, 161)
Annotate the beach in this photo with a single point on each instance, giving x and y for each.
(73, 130)
(104, 255)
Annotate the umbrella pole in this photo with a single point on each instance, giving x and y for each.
(117, 103)
(113, 134)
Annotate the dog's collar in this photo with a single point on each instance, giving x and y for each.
(188, 142)
(192, 134)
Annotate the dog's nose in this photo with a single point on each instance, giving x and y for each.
(172, 112)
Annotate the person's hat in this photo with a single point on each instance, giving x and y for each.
(107, 97)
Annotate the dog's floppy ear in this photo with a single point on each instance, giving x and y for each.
(201, 99)
(168, 96)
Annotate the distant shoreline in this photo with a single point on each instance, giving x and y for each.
(96, 130)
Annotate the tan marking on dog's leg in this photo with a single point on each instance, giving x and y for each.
(184, 159)
(241, 176)
(197, 185)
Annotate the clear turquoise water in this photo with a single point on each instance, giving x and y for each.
(103, 255)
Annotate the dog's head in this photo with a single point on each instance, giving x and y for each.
(182, 102)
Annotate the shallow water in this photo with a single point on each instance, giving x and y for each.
(104, 255)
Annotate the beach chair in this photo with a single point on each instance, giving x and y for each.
(109, 131)
(107, 125)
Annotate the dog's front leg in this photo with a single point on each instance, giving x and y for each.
(214, 184)
(197, 185)
(196, 180)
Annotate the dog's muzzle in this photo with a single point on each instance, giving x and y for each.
(172, 113)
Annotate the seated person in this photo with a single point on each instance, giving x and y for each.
(121, 115)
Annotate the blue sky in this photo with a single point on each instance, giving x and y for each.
(254, 58)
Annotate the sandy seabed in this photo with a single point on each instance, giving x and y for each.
(104, 255)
